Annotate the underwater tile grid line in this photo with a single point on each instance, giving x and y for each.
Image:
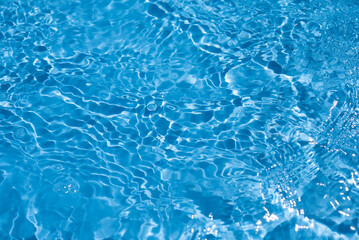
(179, 119)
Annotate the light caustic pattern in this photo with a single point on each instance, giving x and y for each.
(184, 119)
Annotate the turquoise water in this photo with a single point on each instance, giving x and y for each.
(185, 119)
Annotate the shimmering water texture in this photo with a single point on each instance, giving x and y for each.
(190, 119)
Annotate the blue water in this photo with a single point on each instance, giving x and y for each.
(182, 119)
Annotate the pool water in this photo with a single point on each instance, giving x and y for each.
(190, 119)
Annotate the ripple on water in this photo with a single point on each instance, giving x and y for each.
(178, 120)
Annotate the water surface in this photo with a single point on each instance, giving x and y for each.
(179, 119)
